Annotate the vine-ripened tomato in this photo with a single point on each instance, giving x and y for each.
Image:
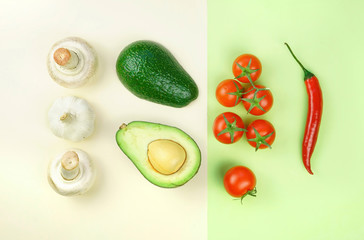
(228, 127)
(247, 64)
(240, 181)
(260, 134)
(228, 93)
(259, 104)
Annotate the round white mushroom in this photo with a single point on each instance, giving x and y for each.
(72, 62)
(71, 118)
(71, 173)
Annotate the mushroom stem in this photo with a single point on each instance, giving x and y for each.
(66, 58)
(64, 117)
(70, 165)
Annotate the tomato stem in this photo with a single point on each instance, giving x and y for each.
(255, 101)
(238, 93)
(259, 139)
(231, 128)
(246, 71)
(252, 193)
(257, 89)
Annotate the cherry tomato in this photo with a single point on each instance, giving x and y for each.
(228, 127)
(260, 103)
(260, 134)
(247, 65)
(239, 182)
(228, 93)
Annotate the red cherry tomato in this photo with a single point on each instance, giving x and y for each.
(259, 104)
(260, 134)
(228, 93)
(247, 64)
(240, 181)
(228, 127)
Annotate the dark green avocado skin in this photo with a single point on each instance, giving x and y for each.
(150, 71)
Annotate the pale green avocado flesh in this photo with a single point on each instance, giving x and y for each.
(134, 138)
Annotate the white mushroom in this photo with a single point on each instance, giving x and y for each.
(72, 62)
(71, 173)
(71, 118)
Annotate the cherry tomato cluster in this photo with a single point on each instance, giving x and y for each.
(240, 181)
(257, 99)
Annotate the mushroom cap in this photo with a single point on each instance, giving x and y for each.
(81, 184)
(82, 73)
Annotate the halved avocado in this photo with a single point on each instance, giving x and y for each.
(165, 155)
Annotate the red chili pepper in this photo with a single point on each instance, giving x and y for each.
(313, 115)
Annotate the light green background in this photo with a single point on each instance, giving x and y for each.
(328, 37)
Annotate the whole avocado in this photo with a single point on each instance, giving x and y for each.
(151, 72)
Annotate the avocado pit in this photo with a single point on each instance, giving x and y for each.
(166, 156)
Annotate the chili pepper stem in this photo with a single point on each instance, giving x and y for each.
(307, 73)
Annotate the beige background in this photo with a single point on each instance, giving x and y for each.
(122, 204)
